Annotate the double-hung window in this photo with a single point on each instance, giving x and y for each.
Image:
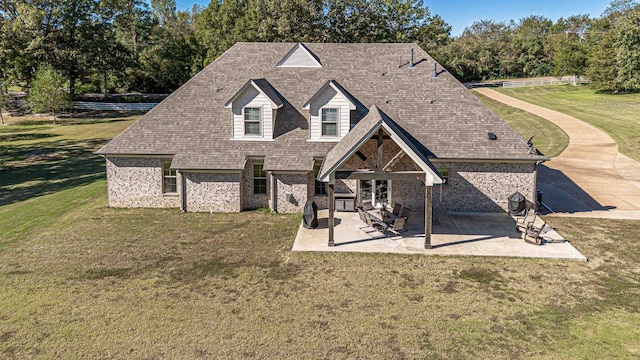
(259, 179)
(252, 121)
(329, 122)
(321, 187)
(169, 179)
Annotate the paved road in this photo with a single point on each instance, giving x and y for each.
(590, 175)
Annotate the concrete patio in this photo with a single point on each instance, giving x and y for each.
(477, 234)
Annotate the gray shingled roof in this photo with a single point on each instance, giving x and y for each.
(439, 115)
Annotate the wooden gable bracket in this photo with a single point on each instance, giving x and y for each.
(394, 160)
(362, 157)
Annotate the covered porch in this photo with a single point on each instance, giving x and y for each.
(375, 151)
(476, 234)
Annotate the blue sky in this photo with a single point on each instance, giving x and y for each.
(462, 13)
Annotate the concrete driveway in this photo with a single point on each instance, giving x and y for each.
(590, 175)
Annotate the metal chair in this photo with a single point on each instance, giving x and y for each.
(396, 209)
(405, 213)
(397, 226)
(375, 223)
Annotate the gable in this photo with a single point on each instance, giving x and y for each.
(300, 56)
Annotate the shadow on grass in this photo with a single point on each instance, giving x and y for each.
(80, 118)
(25, 136)
(30, 170)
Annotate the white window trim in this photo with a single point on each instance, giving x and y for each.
(244, 122)
(337, 135)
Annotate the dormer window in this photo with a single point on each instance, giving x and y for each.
(330, 112)
(254, 109)
(252, 121)
(330, 122)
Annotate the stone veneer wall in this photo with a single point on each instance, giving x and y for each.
(212, 192)
(137, 182)
(295, 184)
(250, 200)
(482, 186)
(408, 193)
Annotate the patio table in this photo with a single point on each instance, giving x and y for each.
(388, 216)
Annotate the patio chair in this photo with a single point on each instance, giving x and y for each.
(396, 209)
(362, 214)
(405, 213)
(375, 223)
(533, 235)
(397, 226)
(528, 220)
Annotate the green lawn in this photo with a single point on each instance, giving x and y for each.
(548, 137)
(80, 280)
(616, 114)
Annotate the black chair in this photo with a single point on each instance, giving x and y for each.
(405, 213)
(396, 209)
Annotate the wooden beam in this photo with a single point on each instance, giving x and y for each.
(394, 160)
(331, 210)
(362, 157)
(428, 216)
(371, 175)
(380, 148)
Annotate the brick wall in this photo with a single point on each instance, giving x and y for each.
(294, 184)
(212, 192)
(482, 186)
(137, 182)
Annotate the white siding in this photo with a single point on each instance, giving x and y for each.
(252, 98)
(329, 98)
(299, 58)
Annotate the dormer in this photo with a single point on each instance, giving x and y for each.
(300, 56)
(330, 112)
(254, 108)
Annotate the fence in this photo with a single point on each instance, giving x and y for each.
(88, 105)
(519, 84)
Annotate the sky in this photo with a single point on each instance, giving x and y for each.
(462, 13)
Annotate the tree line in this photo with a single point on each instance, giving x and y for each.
(139, 46)
(606, 49)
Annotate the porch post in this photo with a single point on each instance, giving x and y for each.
(331, 209)
(428, 215)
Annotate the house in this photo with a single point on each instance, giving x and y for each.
(276, 124)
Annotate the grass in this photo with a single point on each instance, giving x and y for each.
(80, 280)
(38, 158)
(548, 137)
(615, 114)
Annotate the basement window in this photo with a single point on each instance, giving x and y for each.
(169, 179)
(259, 179)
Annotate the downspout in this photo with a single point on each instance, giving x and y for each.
(183, 192)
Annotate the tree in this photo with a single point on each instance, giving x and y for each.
(628, 51)
(567, 46)
(4, 99)
(613, 60)
(47, 93)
